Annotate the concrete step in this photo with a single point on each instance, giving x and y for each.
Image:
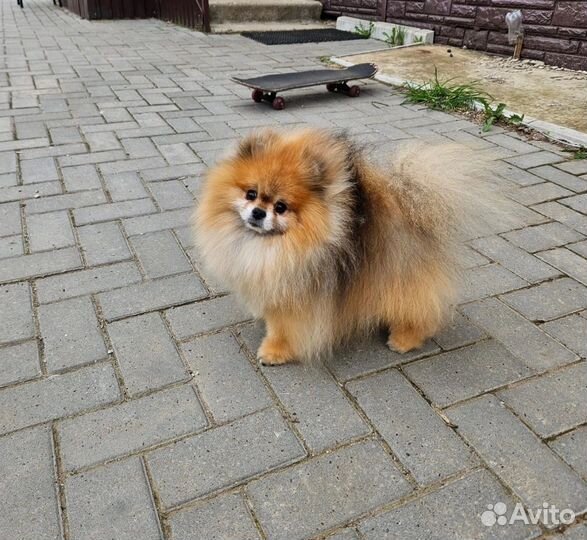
(259, 11)
(238, 27)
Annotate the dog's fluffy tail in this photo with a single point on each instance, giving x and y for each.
(446, 190)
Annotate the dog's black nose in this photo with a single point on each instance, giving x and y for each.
(258, 213)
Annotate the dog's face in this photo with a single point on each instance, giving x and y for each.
(275, 187)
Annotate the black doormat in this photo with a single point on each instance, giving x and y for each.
(300, 36)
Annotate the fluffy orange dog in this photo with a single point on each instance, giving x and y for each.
(323, 245)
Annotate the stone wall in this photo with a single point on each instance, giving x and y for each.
(555, 30)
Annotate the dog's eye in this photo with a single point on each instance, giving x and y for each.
(251, 195)
(280, 207)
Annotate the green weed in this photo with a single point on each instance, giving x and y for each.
(396, 37)
(365, 33)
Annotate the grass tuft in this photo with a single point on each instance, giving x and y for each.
(363, 32)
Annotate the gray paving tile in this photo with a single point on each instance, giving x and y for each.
(522, 338)
(27, 483)
(464, 373)
(57, 396)
(150, 296)
(402, 417)
(225, 378)
(206, 316)
(223, 518)
(145, 352)
(566, 261)
(315, 499)
(103, 243)
(160, 254)
(548, 300)
(112, 501)
(19, 362)
(16, 315)
(571, 447)
(204, 463)
(454, 511)
(552, 403)
(570, 331)
(71, 334)
(517, 456)
(129, 427)
(543, 237)
(40, 264)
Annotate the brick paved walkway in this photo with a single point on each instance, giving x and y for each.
(130, 403)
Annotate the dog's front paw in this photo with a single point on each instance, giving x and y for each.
(273, 353)
(403, 342)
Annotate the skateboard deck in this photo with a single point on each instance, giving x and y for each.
(265, 87)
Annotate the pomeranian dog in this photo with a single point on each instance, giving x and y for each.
(322, 245)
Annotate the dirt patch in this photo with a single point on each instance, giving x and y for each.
(544, 92)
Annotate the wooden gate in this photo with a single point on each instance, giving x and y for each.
(191, 13)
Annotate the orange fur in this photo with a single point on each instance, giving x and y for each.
(357, 248)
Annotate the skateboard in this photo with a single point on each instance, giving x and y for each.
(265, 87)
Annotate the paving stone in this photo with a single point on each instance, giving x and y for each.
(19, 362)
(536, 159)
(552, 403)
(464, 373)
(568, 262)
(89, 281)
(517, 260)
(103, 243)
(158, 222)
(81, 178)
(566, 180)
(160, 254)
(577, 202)
(57, 396)
(151, 296)
(555, 210)
(171, 194)
(570, 331)
(575, 532)
(345, 534)
(49, 231)
(511, 143)
(146, 354)
(113, 501)
(454, 511)
(577, 166)
(488, 280)
(16, 315)
(517, 456)
(7, 162)
(223, 518)
(29, 505)
(539, 193)
(10, 219)
(39, 264)
(206, 316)
(571, 447)
(548, 300)
(65, 135)
(38, 170)
(458, 333)
(140, 148)
(513, 174)
(17, 193)
(99, 142)
(204, 463)
(71, 334)
(522, 338)
(112, 211)
(580, 248)
(129, 427)
(430, 457)
(543, 237)
(225, 379)
(326, 491)
(125, 186)
(65, 201)
(370, 355)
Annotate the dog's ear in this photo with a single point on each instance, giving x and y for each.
(316, 169)
(255, 143)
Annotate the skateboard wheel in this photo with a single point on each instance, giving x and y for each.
(331, 87)
(354, 91)
(279, 103)
(257, 95)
